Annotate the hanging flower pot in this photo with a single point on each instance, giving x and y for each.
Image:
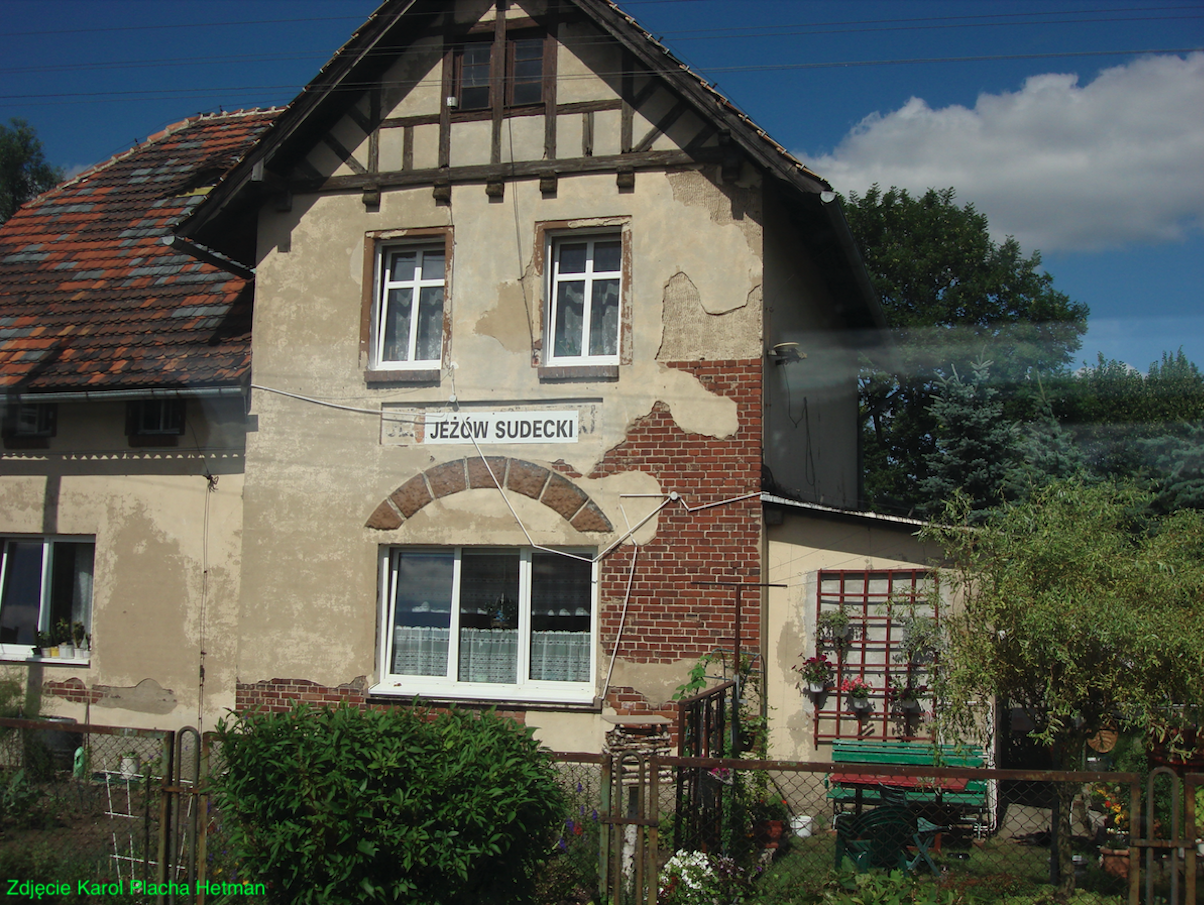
(816, 687)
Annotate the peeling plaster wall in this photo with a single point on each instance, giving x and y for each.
(309, 594)
(797, 549)
(153, 604)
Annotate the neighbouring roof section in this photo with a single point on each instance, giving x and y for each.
(91, 296)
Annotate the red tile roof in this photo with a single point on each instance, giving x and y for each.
(90, 296)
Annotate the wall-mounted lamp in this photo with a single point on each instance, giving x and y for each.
(785, 353)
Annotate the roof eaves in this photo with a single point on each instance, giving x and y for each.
(833, 511)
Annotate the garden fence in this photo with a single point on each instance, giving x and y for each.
(113, 805)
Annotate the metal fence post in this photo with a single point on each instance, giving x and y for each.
(163, 871)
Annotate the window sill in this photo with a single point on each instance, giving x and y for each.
(423, 375)
(494, 695)
(579, 372)
(48, 661)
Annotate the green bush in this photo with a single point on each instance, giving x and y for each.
(348, 806)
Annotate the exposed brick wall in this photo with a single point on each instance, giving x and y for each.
(669, 618)
(73, 690)
(280, 695)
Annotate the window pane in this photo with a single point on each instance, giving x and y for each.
(430, 324)
(560, 618)
(607, 257)
(21, 596)
(397, 325)
(572, 257)
(401, 266)
(489, 617)
(422, 613)
(474, 76)
(569, 312)
(433, 265)
(604, 318)
(71, 583)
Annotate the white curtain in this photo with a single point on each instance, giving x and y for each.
(420, 650)
(560, 656)
(489, 655)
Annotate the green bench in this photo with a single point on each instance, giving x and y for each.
(861, 787)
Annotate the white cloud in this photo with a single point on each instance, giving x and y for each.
(1061, 167)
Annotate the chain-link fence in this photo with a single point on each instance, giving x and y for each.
(106, 805)
(81, 804)
(791, 831)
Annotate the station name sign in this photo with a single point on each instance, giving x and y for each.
(499, 427)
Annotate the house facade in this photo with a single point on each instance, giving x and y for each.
(538, 319)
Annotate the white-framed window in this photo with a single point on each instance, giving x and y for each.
(407, 316)
(498, 623)
(45, 582)
(585, 290)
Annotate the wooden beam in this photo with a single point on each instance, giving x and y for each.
(550, 45)
(662, 125)
(407, 148)
(587, 134)
(343, 154)
(374, 135)
(522, 169)
(449, 66)
(627, 88)
(497, 80)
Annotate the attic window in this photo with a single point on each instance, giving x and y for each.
(523, 73)
(29, 425)
(155, 422)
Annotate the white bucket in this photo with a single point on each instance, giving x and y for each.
(801, 826)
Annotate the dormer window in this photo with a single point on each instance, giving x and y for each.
(522, 74)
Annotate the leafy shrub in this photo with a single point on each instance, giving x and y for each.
(894, 888)
(348, 806)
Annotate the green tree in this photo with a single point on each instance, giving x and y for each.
(952, 294)
(977, 449)
(24, 172)
(1082, 606)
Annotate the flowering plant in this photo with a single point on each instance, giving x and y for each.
(816, 670)
(902, 694)
(1108, 800)
(856, 688)
(696, 878)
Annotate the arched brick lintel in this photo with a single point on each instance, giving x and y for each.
(535, 481)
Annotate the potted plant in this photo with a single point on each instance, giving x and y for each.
(79, 635)
(62, 631)
(41, 646)
(769, 818)
(834, 626)
(905, 696)
(1114, 853)
(858, 693)
(816, 674)
(921, 639)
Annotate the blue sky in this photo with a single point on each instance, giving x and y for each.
(1076, 125)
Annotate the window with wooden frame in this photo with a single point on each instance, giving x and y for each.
(29, 424)
(407, 316)
(522, 72)
(154, 422)
(867, 623)
(585, 290)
